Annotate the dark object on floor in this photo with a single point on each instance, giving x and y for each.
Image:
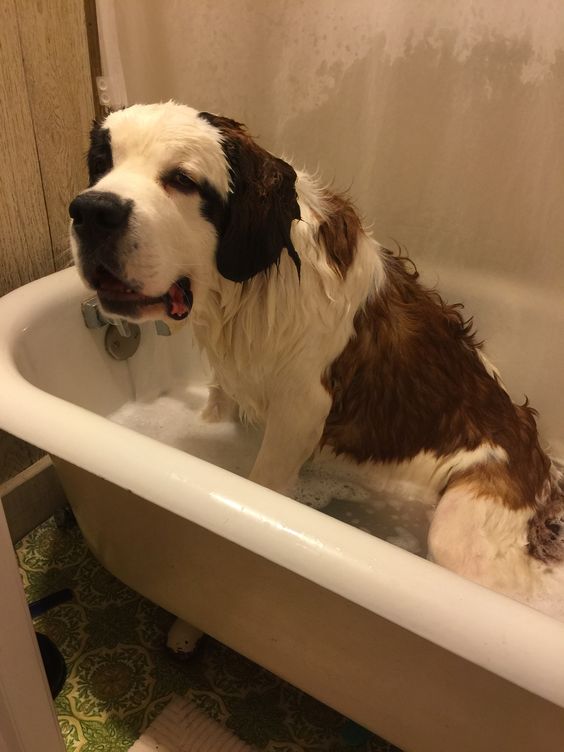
(64, 518)
(354, 735)
(50, 601)
(53, 662)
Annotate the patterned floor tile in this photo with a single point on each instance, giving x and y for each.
(120, 675)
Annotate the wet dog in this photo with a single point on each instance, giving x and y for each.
(318, 333)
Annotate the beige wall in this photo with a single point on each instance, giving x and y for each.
(45, 113)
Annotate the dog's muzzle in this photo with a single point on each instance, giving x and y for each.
(99, 221)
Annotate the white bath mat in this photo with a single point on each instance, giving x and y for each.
(182, 727)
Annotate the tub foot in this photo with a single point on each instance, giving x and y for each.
(183, 638)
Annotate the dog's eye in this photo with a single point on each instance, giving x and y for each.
(181, 182)
(98, 165)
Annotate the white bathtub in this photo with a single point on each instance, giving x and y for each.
(426, 659)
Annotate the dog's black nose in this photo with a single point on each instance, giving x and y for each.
(95, 213)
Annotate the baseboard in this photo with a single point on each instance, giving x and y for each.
(30, 497)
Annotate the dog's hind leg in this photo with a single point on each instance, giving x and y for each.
(294, 426)
(482, 539)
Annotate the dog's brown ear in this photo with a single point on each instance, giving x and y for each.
(261, 206)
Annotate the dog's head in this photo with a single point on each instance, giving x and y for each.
(175, 197)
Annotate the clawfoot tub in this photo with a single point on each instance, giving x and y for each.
(424, 658)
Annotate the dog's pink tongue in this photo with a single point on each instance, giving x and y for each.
(177, 304)
(178, 300)
(177, 297)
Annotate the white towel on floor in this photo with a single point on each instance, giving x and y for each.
(182, 727)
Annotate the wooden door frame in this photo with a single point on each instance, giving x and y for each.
(28, 721)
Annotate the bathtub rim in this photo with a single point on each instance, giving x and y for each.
(511, 640)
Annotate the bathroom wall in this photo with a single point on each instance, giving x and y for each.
(443, 118)
(46, 109)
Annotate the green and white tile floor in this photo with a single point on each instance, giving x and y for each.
(120, 675)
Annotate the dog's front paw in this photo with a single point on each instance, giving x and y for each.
(212, 413)
(219, 408)
(546, 533)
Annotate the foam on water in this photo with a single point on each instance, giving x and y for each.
(326, 484)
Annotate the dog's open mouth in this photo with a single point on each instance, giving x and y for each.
(117, 297)
(178, 299)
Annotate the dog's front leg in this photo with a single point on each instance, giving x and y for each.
(294, 426)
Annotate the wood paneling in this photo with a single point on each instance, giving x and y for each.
(24, 232)
(57, 68)
(46, 107)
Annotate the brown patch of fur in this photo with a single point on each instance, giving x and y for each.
(262, 205)
(339, 233)
(497, 480)
(411, 380)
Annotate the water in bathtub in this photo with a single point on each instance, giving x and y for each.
(333, 486)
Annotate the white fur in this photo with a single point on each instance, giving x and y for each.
(491, 369)
(422, 477)
(270, 340)
(168, 135)
(485, 541)
(262, 336)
